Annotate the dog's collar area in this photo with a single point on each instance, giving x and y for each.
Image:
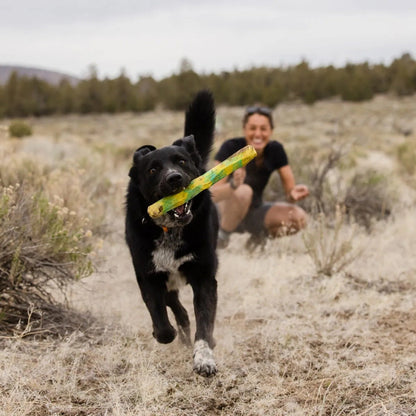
(165, 229)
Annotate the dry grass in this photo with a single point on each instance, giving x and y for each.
(290, 341)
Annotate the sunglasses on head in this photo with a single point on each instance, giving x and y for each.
(265, 111)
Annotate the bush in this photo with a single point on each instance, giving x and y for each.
(19, 129)
(43, 247)
(366, 195)
(368, 198)
(81, 187)
(329, 243)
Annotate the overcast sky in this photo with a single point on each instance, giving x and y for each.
(152, 36)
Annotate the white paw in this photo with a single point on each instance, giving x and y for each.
(204, 363)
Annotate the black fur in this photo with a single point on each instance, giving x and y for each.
(187, 248)
(200, 121)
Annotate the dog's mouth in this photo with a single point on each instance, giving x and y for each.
(182, 211)
(177, 217)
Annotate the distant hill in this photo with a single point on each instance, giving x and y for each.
(52, 77)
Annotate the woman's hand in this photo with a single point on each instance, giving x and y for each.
(298, 192)
(238, 177)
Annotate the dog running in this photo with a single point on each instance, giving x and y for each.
(178, 247)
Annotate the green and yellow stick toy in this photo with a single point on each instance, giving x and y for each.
(223, 169)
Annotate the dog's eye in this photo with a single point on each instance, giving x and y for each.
(152, 171)
(181, 162)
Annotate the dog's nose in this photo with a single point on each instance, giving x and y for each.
(174, 180)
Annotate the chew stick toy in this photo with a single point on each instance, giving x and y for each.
(229, 165)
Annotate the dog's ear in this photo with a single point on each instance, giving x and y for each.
(188, 143)
(138, 154)
(141, 151)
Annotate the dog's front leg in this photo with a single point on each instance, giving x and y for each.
(154, 294)
(205, 305)
(181, 316)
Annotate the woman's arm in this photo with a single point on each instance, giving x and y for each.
(293, 192)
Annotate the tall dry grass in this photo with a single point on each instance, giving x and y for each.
(290, 340)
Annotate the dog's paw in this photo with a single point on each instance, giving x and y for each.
(204, 363)
(165, 335)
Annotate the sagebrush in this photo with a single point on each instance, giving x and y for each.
(19, 129)
(43, 247)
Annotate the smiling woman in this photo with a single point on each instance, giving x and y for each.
(240, 197)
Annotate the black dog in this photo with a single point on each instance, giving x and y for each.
(178, 247)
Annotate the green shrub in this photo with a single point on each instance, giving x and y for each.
(368, 198)
(366, 195)
(43, 247)
(19, 129)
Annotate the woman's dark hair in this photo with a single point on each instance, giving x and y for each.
(264, 111)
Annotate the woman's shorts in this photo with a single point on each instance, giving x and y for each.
(254, 220)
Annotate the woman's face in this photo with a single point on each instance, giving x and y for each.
(257, 132)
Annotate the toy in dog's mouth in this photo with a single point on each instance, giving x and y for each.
(202, 182)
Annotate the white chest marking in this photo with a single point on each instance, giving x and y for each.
(164, 258)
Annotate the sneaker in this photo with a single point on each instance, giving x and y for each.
(223, 238)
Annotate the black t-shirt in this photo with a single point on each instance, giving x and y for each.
(256, 176)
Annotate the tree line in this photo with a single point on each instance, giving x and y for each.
(23, 96)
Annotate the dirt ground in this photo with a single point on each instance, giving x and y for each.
(290, 340)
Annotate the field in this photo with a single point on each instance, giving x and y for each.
(320, 323)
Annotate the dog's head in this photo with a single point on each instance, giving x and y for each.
(166, 171)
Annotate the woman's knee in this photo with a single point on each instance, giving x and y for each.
(299, 218)
(244, 194)
(234, 209)
(285, 219)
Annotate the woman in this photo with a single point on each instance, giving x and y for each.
(239, 198)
